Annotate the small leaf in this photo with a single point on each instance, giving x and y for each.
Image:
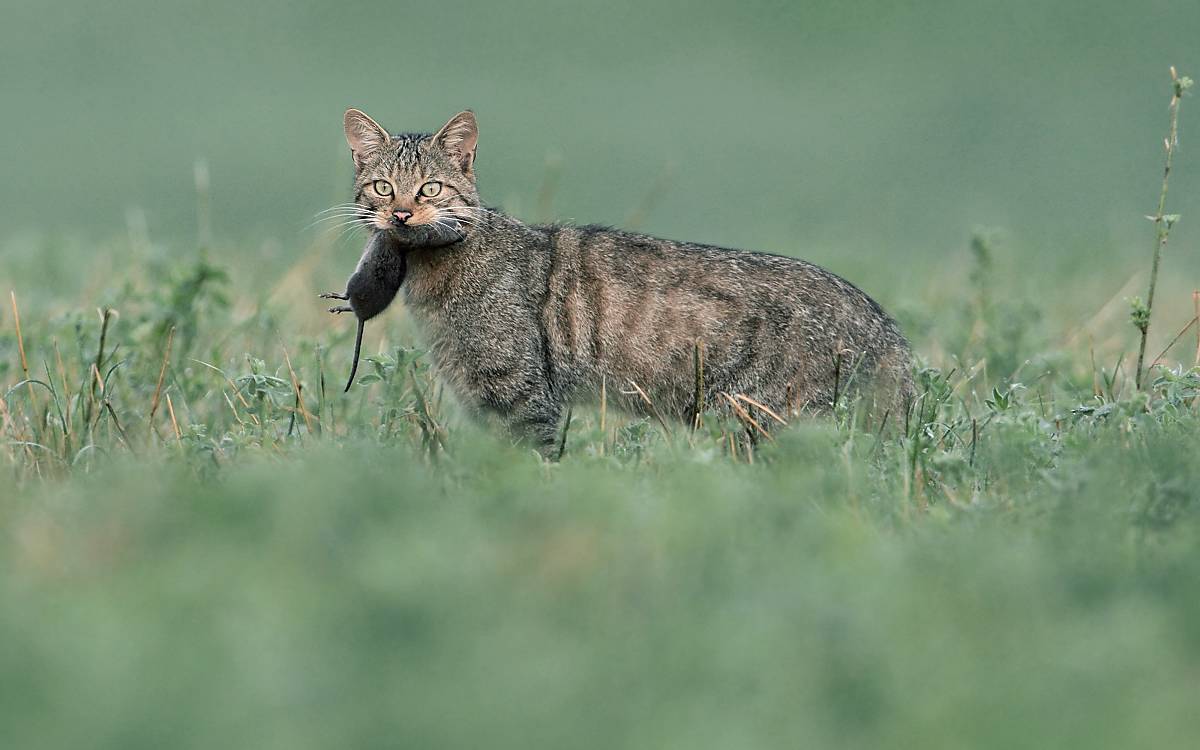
(1139, 314)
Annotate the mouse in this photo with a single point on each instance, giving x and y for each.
(371, 288)
(380, 272)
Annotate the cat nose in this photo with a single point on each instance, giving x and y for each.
(401, 216)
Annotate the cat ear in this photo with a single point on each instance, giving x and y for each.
(458, 138)
(364, 136)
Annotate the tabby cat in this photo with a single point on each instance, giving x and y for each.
(522, 320)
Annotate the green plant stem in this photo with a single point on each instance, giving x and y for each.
(1164, 227)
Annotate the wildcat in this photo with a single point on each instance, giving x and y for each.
(522, 320)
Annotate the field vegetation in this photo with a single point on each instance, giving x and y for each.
(204, 543)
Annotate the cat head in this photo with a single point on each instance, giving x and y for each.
(413, 180)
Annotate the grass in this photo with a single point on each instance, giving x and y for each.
(209, 545)
(204, 543)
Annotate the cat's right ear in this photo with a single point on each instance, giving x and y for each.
(364, 136)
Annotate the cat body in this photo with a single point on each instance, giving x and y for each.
(522, 320)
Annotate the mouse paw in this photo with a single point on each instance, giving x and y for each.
(333, 295)
(336, 310)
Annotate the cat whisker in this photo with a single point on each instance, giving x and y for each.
(339, 219)
(474, 220)
(455, 225)
(457, 217)
(346, 226)
(346, 222)
(347, 230)
(343, 212)
(361, 216)
(471, 210)
(340, 206)
(450, 226)
(441, 222)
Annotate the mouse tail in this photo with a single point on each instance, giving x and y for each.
(357, 350)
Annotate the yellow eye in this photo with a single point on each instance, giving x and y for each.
(383, 187)
(431, 189)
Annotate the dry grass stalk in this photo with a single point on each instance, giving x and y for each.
(1196, 307)
(745, 416)
(562, 443)
(767, 410)
(162, 373)
(105, 316)
(1175, 340)
(120, 430)
(603, 401)
(21, 348)
(296, 389)
(837, 374)
(236, 391)
(62, 379)
(6, 420)
(174, 422)
(97, 380)
(653, 409)
(603, 413)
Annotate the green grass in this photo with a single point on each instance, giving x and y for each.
(1016, 567)
(351, 595)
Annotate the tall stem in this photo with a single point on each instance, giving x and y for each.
(1162, 223)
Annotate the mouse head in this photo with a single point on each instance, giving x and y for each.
(414, 180)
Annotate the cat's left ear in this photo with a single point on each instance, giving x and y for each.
(458, 138)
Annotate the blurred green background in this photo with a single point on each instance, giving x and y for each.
(869, 136)
(1017, 568)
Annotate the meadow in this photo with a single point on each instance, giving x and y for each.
(204, 543)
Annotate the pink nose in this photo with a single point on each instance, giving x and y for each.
(402, 216)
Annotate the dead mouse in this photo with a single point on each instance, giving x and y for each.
(380, 273)
(372, 287)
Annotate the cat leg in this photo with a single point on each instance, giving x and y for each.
(528, 411)
(536, 424)
(510, 386)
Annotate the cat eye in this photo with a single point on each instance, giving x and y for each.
(431, 189)
(382, 187)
